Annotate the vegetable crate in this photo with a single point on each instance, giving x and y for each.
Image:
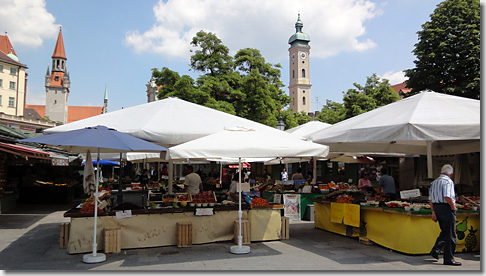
(64, 235)
(184, 234)
(112, 240)
(245, 231)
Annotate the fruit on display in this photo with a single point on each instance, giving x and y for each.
(89, 208)
(183, 197)
(257, 201)
(345, 199)
(183, 203)
(204, 197)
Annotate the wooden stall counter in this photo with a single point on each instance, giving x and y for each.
(158, 227)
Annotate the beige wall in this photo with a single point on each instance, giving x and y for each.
(18, 93)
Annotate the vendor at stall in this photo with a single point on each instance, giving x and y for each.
(364, 183)
(387, 184)
(232, 196)
(192, 182)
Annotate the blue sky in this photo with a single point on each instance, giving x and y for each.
(117, 42)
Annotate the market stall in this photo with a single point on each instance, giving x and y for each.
(399, 225)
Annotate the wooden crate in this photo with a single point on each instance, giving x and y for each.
(184, 234)
(64, 235)
(284, 234)
(112, 240)
(245, 231)
(366, 241)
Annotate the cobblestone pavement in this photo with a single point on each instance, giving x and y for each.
(29, 241)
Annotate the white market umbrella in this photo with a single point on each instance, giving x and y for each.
(245, 144)
(307, 129)
(101, 139)
(428, 123)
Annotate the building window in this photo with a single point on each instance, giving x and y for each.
(13, 71)
(12, 85)
(55, 101)
(1, 68)
(303, 100)
(11, 101)
(1, 83)
(293, 74)
(63, 64)
(0, 100)
(56, 78)
(57, 64)
(303, 91)
(303, 73)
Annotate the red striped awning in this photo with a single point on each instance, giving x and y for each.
(24, 151)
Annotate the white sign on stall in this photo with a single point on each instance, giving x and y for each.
(123, 214)
(410, 193)
(292, 206)
(245, 187)
(204, 212)
(277, 198)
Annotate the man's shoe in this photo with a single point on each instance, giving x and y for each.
(434, 254)
(453, 263)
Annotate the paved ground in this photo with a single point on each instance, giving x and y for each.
(29, 241)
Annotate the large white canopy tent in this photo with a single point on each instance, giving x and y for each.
(246, 143)
(428, 123)
(307, 129)
(166, 122)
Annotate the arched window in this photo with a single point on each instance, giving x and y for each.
(55, 101)
(58, 64)
(303, 100)
(62, 64)
(303, 73)
(293, 74)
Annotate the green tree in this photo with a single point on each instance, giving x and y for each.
(448, 51)
(374, 94)
(332, 112)
(167, 79)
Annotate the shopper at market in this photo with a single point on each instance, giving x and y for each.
(442, 203)
(164, 171)
(387, 184)
(192, 182)
(364, 184)
(284, 175)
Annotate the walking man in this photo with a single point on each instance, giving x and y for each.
(442, 200)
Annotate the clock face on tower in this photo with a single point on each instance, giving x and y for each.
(303, 55)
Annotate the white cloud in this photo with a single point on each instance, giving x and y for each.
(27, 22)
(394, 78)
(334, 26)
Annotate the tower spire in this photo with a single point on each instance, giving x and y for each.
(59, 49)
(105, 100)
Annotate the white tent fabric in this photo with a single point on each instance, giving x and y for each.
(308, 128)
(246, 143)
(167, 122)
(447, 124)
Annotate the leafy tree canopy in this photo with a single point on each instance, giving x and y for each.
(448, 51)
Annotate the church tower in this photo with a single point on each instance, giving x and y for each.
(299, 57)
(58, 84)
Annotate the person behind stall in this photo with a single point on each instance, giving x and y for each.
(144, 181)
(267, 175)
(284, 175)
(364, 184)
(192, 182)
(297, 176)
(233, 188)
(310, 177)
(387, 184)
(164, 171)
(245, 175)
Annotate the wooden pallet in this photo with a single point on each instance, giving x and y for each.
(284, 233)
(366, 241)
(245, 231)
(184, 234)
(64, 235)
(112, 240)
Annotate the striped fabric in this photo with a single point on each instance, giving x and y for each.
(440, 188)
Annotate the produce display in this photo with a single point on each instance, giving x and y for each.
(257, 201)
(88, 206)
(204, 197)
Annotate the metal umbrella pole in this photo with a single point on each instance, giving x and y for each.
(239, 249)
(94, 257)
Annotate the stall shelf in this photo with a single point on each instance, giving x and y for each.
(403, 231)
(157, 227)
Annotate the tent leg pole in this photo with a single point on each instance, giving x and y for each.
(314, 171)
(119, 197)
(239, 249)
(170, 175)
(430, 173)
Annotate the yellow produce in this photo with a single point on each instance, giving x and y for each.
(183, 203)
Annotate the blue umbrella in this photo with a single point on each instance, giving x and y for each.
(104, 163)
(100, 139)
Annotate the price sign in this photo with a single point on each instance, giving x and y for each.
(410, 193)
(123, 214)
(204, 212)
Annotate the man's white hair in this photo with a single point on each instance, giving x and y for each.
(447, 169)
